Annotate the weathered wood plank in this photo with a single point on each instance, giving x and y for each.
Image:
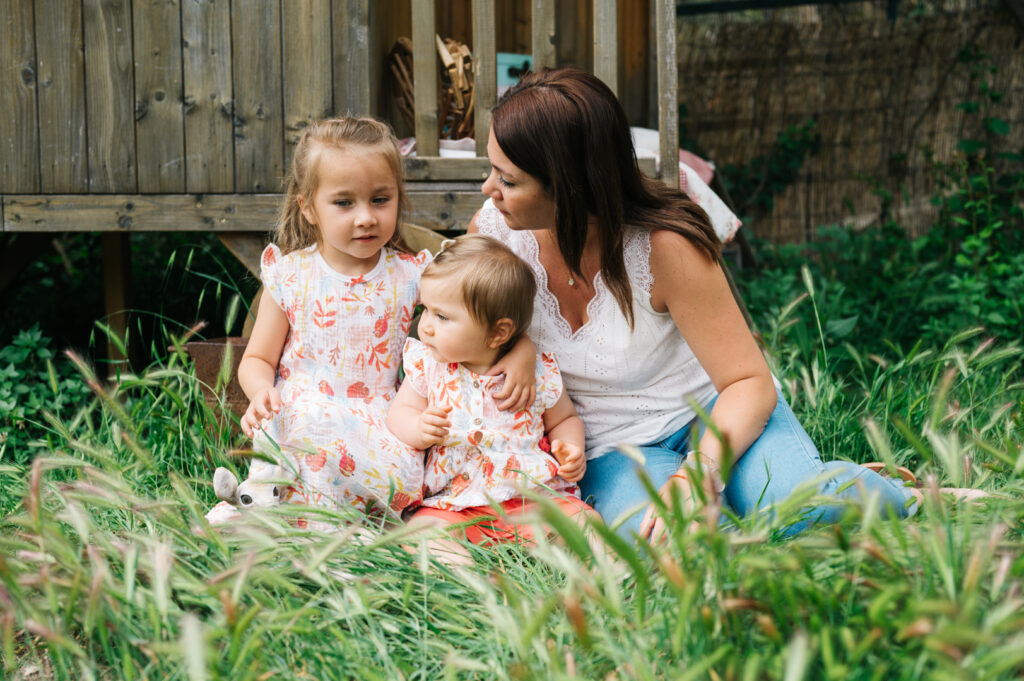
(60, 53)
(606, 43)
(209, 109)
(439, 206)
(259, 129)
(441, 169)
(109, 94)
(485, 71)
(140, 213)
(352, 49)
(424, 69)
(668, 83)
(444, 210)
(19, 136)
(159, 114)
(544, 34)
(634, 46)
(306, 71)
(246, 247)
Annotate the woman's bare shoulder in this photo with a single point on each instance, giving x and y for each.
(670, 250)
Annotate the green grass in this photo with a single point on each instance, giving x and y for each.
(107, 570)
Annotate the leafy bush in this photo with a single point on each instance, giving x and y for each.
(32, 384)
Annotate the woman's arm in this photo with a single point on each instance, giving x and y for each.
(414, 421)
(694, 290)
(696, 293)
(258, 366)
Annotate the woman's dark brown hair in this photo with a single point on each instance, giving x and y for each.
(566, 128)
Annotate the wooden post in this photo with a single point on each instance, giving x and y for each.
(606, 43)
(668, 85)
(424, 76)
(116, 278)
(543, 42)
(352, 43)
(486, 71)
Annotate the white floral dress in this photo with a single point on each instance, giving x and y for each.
(489, 456)
(337, 376)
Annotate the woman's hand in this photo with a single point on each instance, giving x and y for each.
(265, 403)
(520, 368)
(432, 426)
(572, 462)
(654, 528)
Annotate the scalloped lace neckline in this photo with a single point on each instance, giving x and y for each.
(549, 301)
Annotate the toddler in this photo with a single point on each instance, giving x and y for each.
(478, 300)
(321, 366)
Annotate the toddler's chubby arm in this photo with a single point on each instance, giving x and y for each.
(565, 428)
(259, 363)
(416, 422)
(520, 368)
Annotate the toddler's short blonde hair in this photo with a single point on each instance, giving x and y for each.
(495, 282)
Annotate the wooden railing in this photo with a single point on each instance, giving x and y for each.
(120, 116)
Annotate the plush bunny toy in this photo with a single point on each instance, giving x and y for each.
(259, 490)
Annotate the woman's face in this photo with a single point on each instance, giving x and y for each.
(520, 197)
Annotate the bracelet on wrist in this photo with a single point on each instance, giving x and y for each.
(706, 466)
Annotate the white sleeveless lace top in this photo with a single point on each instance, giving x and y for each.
(628, 386)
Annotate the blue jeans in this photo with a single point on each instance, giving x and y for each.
(780, 460)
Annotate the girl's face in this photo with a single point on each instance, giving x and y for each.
(520, 197)
(451, 333)
(355, 207)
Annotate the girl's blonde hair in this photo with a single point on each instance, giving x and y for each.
(495, 283)
(370, 136)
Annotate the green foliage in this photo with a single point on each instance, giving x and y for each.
(175, 278)
(33, 385)
(755, 184)
(879, 289)
(109, 571)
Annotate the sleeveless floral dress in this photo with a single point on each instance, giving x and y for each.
(337, 376)
(489, 456)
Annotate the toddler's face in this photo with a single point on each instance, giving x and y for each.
(355, 206)
(447, 328)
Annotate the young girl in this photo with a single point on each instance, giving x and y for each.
(321, 366)
(478, 300)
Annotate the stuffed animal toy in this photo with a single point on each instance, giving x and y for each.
(261, 489)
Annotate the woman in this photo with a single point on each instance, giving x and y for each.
(633, 303)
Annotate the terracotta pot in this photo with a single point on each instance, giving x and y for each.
(208, 357)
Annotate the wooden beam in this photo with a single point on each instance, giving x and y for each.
(246, 247)
(424, 70)
(606, 43)
(116, 284)
(447, 169)
(543, 34)
(140, 213)
(438, 205)
(485, 67)
(668, 85)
